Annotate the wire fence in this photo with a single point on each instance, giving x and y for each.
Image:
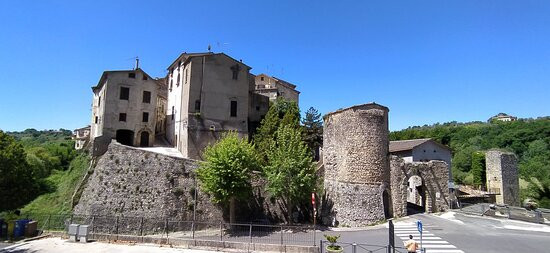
(165, 228)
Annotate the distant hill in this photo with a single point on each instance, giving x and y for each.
(529, 139)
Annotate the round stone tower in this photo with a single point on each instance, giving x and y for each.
(357, 173)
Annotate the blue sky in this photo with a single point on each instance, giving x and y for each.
(428, 61)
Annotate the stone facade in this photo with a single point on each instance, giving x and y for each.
(131, 182)
(420, 183)
(274, 88)
(502, 177)
(355, 156)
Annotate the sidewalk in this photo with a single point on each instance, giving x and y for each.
(56, 245)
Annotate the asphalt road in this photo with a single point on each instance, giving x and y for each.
(463, 233)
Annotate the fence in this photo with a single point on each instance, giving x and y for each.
(361, 248)
(514, 213)
(163, 229)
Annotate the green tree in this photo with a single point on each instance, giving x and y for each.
(478, 168)
(17, 184)
(290, 172)
(281, 112)
(225, 171)
(313, 129)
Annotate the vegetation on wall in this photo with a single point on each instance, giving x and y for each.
(529, 139)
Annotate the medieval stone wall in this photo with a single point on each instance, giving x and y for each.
(433, 177)
(131, 182)
(502, 176)
(355, 156)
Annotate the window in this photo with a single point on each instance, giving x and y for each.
(171, 71)
(132, 75)
(233, 108)
(124, 93)
(147, 97)
(257, 108)
(144, 77)
(173, 112)
(170, 84)
(197, 105)
(96, 119)
(178, 81)
(145, 117)
(185, 75)
(122, 117)
(262, 78)
(99, 102)
(235, 68)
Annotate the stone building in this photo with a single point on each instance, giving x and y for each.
(361, 186)
(274, 88)
(124, 108)
(422, 150)
(208, 94)
(503, 117)
(356, 166)
(502, 177)
(160, 122)
(81, 137)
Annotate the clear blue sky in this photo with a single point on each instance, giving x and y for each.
(428, 61)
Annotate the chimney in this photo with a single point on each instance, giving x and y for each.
(137, 62)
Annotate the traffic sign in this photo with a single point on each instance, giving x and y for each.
(419, 226)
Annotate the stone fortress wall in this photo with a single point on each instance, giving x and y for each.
(361, 187)
(355, 156)
(502, 177)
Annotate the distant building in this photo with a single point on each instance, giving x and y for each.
(421, 150)
(273, 88)
(124, 108)
(81, 137)
(209, 94)
(503, 117)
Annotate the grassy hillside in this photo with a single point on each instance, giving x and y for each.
(529, 139)
(63, 184)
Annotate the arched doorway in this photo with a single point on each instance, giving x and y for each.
(416, 195)
(125, 137)
(144, 139)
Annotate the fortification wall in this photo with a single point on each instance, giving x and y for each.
(355, 156)
(433, 177)
(502, 176)
(131, 182)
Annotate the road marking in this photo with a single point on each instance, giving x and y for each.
(435, 242)
(438, 246)
(432, 243)
(423, 237)
(414, 234)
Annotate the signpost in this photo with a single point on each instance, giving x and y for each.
(314, 216)
(392, 235)
(419, 227)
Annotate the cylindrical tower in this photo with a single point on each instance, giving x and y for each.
(355, 155)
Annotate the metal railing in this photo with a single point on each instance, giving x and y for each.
(172, 229)
(510, 212)
(348, 247)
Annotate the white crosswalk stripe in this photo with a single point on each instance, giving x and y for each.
(431, 242)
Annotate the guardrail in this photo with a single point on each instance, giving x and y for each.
(510, 212)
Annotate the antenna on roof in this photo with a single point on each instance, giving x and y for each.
(209, 47)
(137, 62)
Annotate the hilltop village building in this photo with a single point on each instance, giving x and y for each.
(81, 137)
(202, 96)
(274, 88)
(124, 108)
(503, 117)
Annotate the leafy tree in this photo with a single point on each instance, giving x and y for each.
(313, 129)
(281, 112)
(478, 168)
(290, 172)
(225, 171)
(17, 185)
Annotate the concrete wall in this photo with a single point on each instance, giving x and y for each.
(502, 176)
(355, 156)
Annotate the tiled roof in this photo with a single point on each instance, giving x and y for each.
(396, 146)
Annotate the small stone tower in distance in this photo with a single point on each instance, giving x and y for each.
(356, 164)
(502, 177)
